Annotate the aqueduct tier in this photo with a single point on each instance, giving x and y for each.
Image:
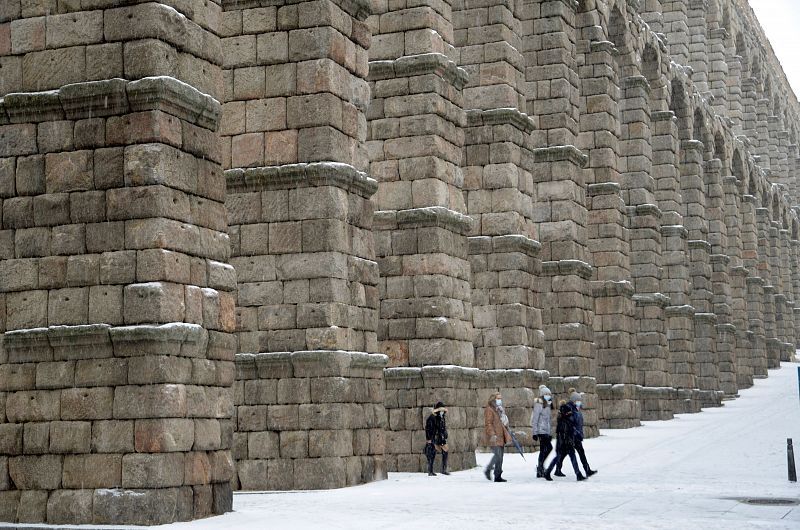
(248, 243)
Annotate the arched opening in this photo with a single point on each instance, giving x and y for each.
(721, 152)
(794, 229)
(737, 169)
(650, 63)
(680, 106)
(752, 188)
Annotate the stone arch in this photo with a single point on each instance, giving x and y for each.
(620, 35)
(679, 104)
(721, 151)
(738, 171)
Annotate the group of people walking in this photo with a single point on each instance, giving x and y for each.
(569, 435)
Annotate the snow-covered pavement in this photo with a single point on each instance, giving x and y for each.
(683, 474)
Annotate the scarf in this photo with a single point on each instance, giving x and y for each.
(502, 412)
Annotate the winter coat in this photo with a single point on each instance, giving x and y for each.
(493, 426)
(540, 419)
(436, 429)
(577, 418)
(565, 427)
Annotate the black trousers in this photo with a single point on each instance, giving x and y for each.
(545, 448)
(562, 451)
(578, 444)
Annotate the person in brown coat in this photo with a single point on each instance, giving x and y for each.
(495, 423)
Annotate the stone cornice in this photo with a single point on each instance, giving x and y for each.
(431, 216)
(567, 267)
(97, 99)
(504, 244)
(561, 153)
(674, 231)
(101, 340)
(679, 311)
(611, 288)
(500, 116)
(699, 244)
(314, 363)
(290, 176)
(415, 65)
(358, 9)
(654, 299)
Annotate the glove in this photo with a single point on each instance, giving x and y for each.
(536, 437)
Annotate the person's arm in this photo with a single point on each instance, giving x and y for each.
(537, 414)
(488, 424)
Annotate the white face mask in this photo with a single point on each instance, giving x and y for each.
(548, 399)
(499, 402)
(579, 404)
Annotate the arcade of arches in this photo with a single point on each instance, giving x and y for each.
(246, 244)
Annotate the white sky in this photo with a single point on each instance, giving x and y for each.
(781, 22)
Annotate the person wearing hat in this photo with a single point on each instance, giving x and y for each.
(565, 443)
(541, 426)
(496, 435)
(436, 438)
(576, 403)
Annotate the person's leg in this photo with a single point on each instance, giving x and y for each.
(545, 446)
(582, 456)
(498, 467)
(560, 462)
(553, 463)
(575, 464)
(430, 454)
(443, 449)
(492, 463)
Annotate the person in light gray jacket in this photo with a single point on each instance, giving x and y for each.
(541, 426)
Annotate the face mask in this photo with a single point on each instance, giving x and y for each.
(579, 404)
(499, 402)
(548, 399)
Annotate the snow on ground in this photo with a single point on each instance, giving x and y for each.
(673, 474)
(680, 474)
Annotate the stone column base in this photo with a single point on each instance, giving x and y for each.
(657, 403)
(619, 406)
(688, 401)
(711, 398)
(774, 347)
(412, 392)
(410, 396)
(787, 352)
(309, 420)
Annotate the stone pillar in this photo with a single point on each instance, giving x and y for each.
(608, 236)
(675, 25)
(567, 305)
(718, 66)
(652, 13)
(644, 218)
(749, 110)
(770, 332)
(308, 392)
(795, 260)
(696, 20)
(678, 354)
(118, 356)
(755, 317)
(416, 137)
(785, 299)
(734, 87)
(738, 287)
(499, 191)
(696, 222)
(720, 279)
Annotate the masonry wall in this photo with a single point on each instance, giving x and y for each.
(118, 302)
(422, 202)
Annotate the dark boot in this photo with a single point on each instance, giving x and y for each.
(558, 473)
(547, 476)
(499, 478)
(487, 474)
(445, 471)
(581, 477)
(590, 473)
(539, 471)
(430, 465)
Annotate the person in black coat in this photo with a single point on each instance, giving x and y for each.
(436, 438)
(565, 441)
